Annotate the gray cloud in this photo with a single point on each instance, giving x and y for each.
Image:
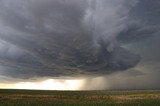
(57, 38)
(143, 22)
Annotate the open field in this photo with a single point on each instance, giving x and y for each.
(79, 98)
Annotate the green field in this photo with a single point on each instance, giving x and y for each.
(79, 98)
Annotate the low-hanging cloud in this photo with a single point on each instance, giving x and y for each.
(56, 38)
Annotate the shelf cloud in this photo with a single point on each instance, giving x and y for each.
(70, 38)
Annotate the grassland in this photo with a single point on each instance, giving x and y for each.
(79, 98)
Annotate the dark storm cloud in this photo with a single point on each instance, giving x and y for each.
(143, 22)
(70, 37)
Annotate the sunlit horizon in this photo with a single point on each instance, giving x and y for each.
(49, 84)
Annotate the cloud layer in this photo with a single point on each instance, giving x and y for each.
(57, 38)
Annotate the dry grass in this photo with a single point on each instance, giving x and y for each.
(135, 97)
(98, 98)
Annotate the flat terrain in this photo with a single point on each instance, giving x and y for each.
(79, 98)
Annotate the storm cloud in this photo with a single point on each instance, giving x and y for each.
(68, 38)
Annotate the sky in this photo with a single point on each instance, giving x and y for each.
(79, 44)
